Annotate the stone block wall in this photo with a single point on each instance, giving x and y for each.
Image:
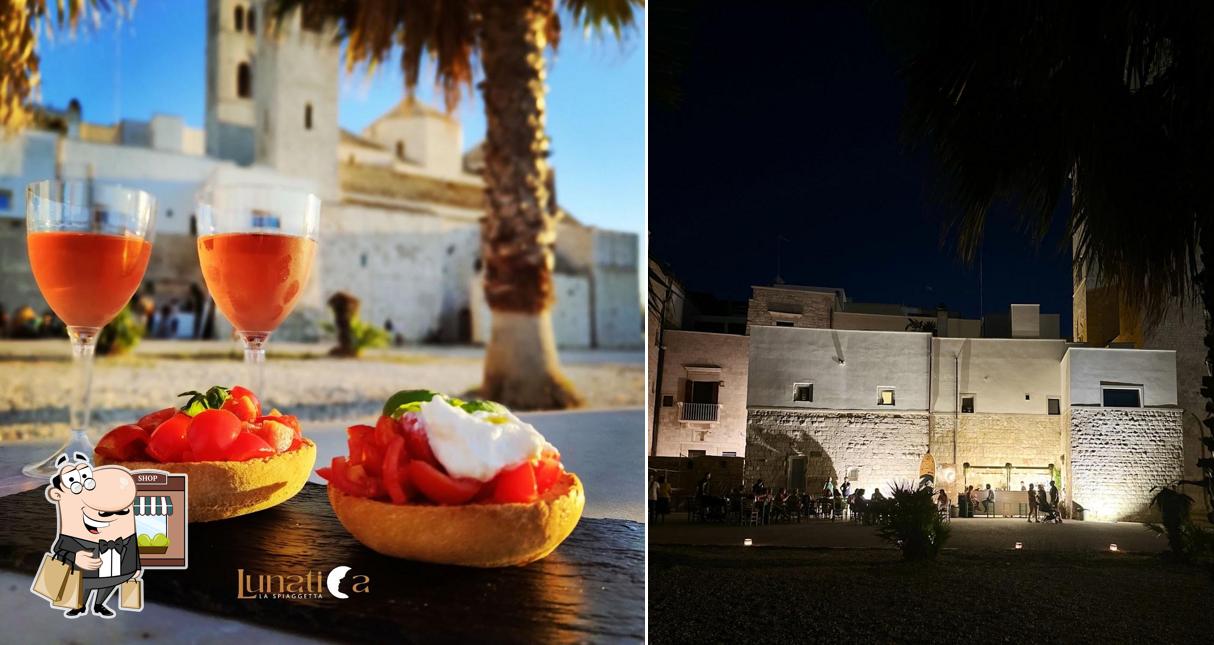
(1118, 454)
(1033, 440)
(885, 447)
(814, 307)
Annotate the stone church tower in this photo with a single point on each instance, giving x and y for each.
(272, 92)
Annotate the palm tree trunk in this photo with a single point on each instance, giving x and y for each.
(519, 230)
(1205, 283)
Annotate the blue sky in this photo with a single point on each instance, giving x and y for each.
(154, 62)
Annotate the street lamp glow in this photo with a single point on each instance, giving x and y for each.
(747, 542)
(1113, 547)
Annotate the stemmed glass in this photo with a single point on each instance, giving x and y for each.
(89, 246)
(256, 244)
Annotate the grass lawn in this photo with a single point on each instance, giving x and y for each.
(739, 594)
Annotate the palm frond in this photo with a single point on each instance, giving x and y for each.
(600, 15)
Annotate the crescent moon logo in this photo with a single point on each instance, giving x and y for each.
(334, 579)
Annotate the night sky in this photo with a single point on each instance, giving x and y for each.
(788, 124)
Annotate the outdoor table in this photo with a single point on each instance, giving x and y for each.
(591, 588)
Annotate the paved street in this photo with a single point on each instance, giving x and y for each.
(300, 378)
(973, 533)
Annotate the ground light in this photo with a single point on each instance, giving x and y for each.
(748, 542)
(1112, 547)
(1019, 545)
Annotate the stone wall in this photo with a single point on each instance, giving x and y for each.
(802, 308)
(1031, 440)
(886, 447)
(1118, 454)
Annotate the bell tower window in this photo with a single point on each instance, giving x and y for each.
(252, 21)
(308, 116)
(244, 81)
(238, 17)
(400, 150)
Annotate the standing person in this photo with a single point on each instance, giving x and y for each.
(1032, 505)
(988, 504)
(973, 500)
(963, 503)
(663, 498)
(759, 488)
(653, 498)
(829, 486)
(1054, 502)
(845, 488)
(1022, 485)
(1042, 501)
(942, 502)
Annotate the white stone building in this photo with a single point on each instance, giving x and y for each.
(402, 202)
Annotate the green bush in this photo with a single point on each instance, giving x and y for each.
(909, 520)
(122, 334)
(364, 335)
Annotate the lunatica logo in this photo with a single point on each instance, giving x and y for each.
(311, 585)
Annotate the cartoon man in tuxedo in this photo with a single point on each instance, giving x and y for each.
(96, 527)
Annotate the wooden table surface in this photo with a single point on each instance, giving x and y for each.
(591, 588)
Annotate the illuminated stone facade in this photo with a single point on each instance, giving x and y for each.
(1117, 455)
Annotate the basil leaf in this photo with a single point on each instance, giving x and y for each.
(492, 407)
(392, 407)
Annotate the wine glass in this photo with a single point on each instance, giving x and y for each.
(256, 244)
(89, 246)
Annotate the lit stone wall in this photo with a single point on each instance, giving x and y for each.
(814, 307)
(1032, 440)
(885, 447)
(1118, 454)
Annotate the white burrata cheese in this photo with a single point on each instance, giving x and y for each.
(473, 446)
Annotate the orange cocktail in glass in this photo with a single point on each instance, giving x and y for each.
(255, 278)
(89, 245)
(87, 278)
(256, 243)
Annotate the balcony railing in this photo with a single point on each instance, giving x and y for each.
(699, 411)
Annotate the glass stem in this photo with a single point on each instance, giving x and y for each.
(84, 346)
(255, 363)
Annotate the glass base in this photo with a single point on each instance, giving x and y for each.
(45, 469)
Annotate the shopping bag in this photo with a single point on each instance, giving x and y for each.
(58, 582)
(131, 595)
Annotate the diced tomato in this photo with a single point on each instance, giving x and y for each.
(326, 472)
(211, 432)
(247, 446)
(356, 437)
(168, 440)
(337, 477)
(277, 435)
(243, 407)
(240, 392)
(515, 485)
(547, 472)
(363, 480)
(385, 430)
(417, 444)
(394, 455)
(124, 443)
(440, 488)
(151, 421)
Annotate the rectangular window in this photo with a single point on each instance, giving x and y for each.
(1121, 396)
(885, 396)
(967, 403)
(697, 453)
(783, 323)
(667, 401)
(804, 392)
(729, 453)
(1055, 406)
(6, 200)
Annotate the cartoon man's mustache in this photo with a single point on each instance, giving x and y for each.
(109, 513)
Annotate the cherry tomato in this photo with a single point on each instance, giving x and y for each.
(394, 457)
(124, 443)
(239, 392)
(168, 440)
(151, 421)
(547, 472)
(515, 485)
(417, 444)
(247, 446)
(243, 407)
(211, 432)
(439, 487)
